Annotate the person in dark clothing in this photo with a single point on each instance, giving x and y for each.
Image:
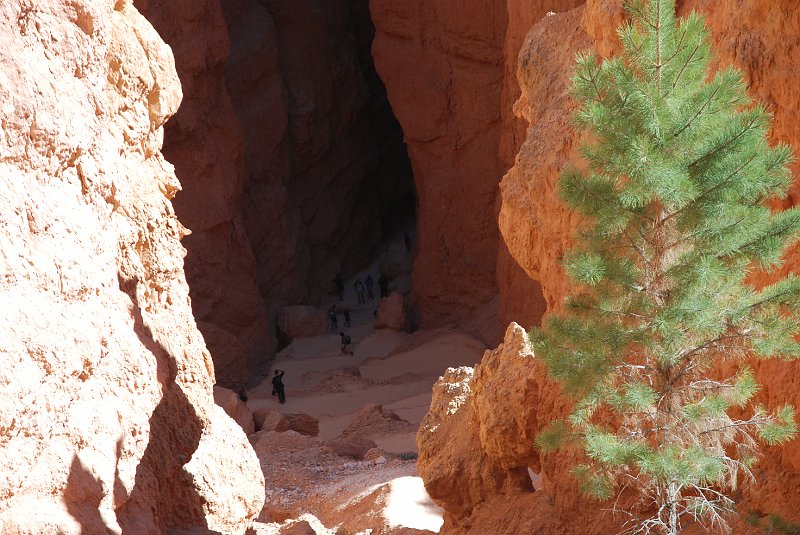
(277, 385)
(345, 342)
(407, 241)
(333, 318)
(242, 394)
(346, 317)
(369, 283)
(384, 286)
(359, 288)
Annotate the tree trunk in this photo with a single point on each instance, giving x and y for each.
(672, 501)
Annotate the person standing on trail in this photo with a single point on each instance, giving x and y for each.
(369, 283)
(333, 318)
(277, 385)
(359, 288)
(345, 342)
(383, 283)
(347, 317)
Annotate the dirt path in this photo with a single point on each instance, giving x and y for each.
(306, 481)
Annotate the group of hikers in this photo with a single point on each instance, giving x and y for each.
(364, 291)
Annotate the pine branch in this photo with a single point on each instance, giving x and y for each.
(700, 111)
(738, 424)
(725, 144)
(688, 61)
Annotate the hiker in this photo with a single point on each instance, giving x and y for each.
(242, 394)
(384, 286)
(347, 317)
(369, 283)
(359, 287)
(345, 342)
(277, 386)
(333, 318)
(407, 241)
(339, 286)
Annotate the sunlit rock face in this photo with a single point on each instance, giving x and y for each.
(107, 420)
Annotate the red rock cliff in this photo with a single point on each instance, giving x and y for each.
(205, 143)
(107, 419)
(443, 65)
(483, 492)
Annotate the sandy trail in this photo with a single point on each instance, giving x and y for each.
(394, 369)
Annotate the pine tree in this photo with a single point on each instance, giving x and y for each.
(675, 199)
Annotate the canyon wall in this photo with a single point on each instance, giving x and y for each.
(443, 65)
(481, 487)
(205, 143)
(289, 155)
(107, 419)
(450, 70)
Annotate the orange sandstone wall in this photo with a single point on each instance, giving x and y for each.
(759, 38)
(107, 418)
(450, 70)
(205, 143)
(443, 65)
(288, 153)
(289, 156)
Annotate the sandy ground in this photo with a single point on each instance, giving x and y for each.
(305, 479)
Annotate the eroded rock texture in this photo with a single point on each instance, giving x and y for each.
(442, 62)
(476, 446)
(289, 155)
(205, 143)
(758, 37)
(107, 420)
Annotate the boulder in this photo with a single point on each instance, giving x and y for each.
(353, 447)
(270, 420)
(297, 321)
(234, 407)
(303, 424)
(392, 313)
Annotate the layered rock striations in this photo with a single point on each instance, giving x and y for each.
(107, 419)
(757, 37)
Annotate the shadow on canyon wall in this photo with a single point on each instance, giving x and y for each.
(164, 497)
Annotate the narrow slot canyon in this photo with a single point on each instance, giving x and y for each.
(359, 197)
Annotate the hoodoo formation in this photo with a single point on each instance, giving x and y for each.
(185, 183)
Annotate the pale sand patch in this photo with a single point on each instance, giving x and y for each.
(400, 381)
(395, 370)
(409, 505)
